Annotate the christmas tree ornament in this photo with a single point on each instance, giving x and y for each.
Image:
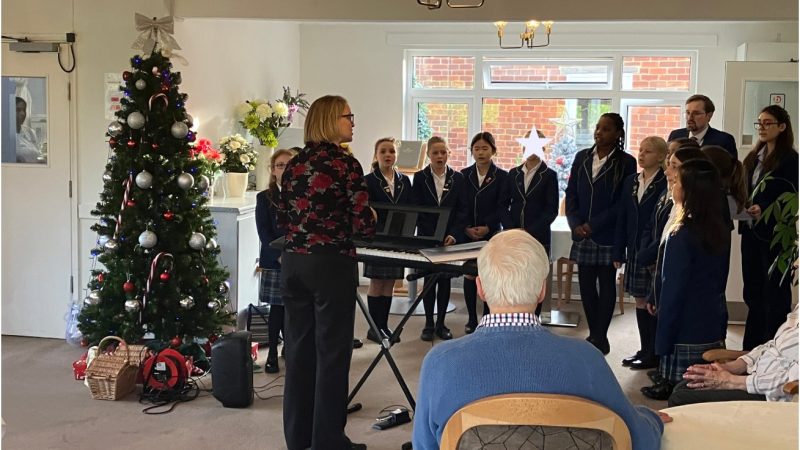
(131, 144)
(169, 215)
(126, 75)
(141, 84)
(112, 142)
(179, 130)
(188, 119)
(175, 342)
(197, 241)
(107, 176)
(155, 71)
(187, 302)
(92, 298)
(214, 305)
(185, 181)
(136, 120)
(111, 245)
(190, 137)
(102, 239)
(115, 128)
(164, 277)
(130, 203)
(132, 306)
(203, 182)
(148, 239)
(224, 288)
(144, 180)
(128, 287)
(211, 244)
(100, 277)
(154, 146)
(164, 88)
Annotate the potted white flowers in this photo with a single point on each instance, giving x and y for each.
(238, 158)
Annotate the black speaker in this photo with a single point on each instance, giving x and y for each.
(232, 370)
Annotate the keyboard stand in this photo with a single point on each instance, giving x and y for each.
(386, 344)
(401, 305)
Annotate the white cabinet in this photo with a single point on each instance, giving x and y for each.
(238, 240)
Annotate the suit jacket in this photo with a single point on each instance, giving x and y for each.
(379, 191)
(597, 200)
(533, 209)
(268, 228)
(634, 222)
(482, 199)
(424, 190)
(712, 137)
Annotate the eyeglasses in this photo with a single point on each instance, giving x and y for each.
(763, 125)
(279, 166)
(695, 114)
(351, 117)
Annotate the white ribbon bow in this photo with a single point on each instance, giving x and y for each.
(157, 33)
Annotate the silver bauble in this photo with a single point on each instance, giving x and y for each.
(111, 245)
(188, 119)
(197, 241)
(141, 84)
(203, 182)
(154, 70)
(93, 298)
(185, 181)
(115, 128)
(144, 179)
(224, 287)
(148, 239)
(211, 244)
(102, 239)
(179, 130)
(214, 304)
(107, 176)
(186, 302)
(132, 305)
(135, 120)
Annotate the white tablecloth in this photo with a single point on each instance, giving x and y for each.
(731, 426)
(560, 239)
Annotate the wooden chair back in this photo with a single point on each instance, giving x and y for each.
(552, 410)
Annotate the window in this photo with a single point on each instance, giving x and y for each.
(549, 74)
(656, 73)
(443, 72)
(448, 120)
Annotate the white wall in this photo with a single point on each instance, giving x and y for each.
(364, 62)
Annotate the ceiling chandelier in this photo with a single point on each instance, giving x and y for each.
(436, 4)
(527, 36)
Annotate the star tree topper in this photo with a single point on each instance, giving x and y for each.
(533, 144)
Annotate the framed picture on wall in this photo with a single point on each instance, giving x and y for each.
(410, 156)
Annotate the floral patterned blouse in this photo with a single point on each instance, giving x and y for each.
(324, 201)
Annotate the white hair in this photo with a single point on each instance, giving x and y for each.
(513, 267)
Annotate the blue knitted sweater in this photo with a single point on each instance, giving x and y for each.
(505, 360)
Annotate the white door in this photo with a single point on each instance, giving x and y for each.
(37, 219)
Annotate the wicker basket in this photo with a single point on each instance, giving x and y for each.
(111, 376)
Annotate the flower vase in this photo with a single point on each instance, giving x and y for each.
(262, 166)
(235, 184)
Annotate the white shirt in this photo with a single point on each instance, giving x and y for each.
(529, 173)
(28, 146)
(438, 181)
(759, 165)
(673, 214)
(597, 162)
(643, 184)
(774, 363)
(390, 182)
(699, 136)
(480, 177)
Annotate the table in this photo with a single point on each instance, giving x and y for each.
(731, 426)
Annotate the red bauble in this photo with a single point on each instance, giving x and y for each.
(169, 215)
(112, 142)
(205, 280)
(175, 342)
(126, 75)
(164, 88)
(164, 276)
(155, 146)
(128, 287)
(100, 277)
(84, 342)
(131, 143)
(130, 203)
(212, 338)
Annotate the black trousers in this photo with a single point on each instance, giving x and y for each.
(768, 300)
(684, 395)
(598, 304)
(319, 295)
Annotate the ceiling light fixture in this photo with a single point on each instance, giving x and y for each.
(527, 36)
(436, 4)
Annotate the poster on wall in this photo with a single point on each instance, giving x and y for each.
(113, 95)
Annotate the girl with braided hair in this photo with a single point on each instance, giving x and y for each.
(593, 198)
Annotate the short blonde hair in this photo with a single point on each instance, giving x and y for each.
(322, 119)
(513, 267)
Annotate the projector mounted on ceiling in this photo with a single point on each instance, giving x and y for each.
(34, 47)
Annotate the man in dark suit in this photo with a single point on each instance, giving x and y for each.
(699, 110)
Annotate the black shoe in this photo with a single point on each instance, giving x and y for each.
(358, 446)
(630, 359)
(357, 343)
(469, 328)
(601, 345)
(654, 376)
(658, 391)
(444, 333)
(646, 363)
(389, 334)
(427, 334)
(272, 366)
(373, 337)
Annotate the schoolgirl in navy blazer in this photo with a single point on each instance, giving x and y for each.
(533, 209)
(424, 191)
(481, 199)
(634, 221)
(379, 191)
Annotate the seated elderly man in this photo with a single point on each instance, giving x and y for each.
(517, 355)
(758, 375)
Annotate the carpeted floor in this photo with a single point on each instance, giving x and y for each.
(45, 408)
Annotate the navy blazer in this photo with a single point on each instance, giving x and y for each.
(649, 254)
(596, 201)
(533, 209)
(379, 191)
(712, 137)
(783, 179)
(268, 228)
(482, 200)
(634, 222)
(424, 190)
(692, 287)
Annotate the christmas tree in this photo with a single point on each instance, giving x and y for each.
(161, 277)
(563, 149)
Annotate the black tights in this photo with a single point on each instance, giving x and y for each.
(275, 326)
(598, 305)
(440, 295)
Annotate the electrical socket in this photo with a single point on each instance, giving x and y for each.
(70, 37)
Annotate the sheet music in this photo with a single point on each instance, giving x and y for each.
(451, 253)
